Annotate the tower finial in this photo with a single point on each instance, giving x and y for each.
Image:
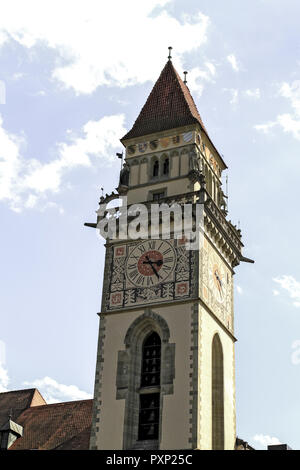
(170, 51)
(185, 74)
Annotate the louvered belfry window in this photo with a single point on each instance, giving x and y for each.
(150, 379)
(151, 361)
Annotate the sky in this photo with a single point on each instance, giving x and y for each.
(73, 78)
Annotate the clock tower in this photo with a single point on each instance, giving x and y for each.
(165, 374)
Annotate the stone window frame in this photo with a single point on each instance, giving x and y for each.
(165, 156)
(129, 373)
(154, 159)
(217, 392)
(157, 191)
(160, 157)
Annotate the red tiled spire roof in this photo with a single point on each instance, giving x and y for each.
(168, 106)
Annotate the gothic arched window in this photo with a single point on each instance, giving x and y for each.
(155, 169)
(210, 184)
(217, 395)
(166, 165)
(145, 373)
(150, 377)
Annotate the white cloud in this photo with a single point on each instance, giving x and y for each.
(54, 392)
(295, 356)
(211, 67)
(18, 75)
(275, 292)
(292, 92)
(239, 290)
(289, 284)
(26, 182)
(255, 94)
(2, 92)
(266, 440)
(80, 32)
(234, 95)
(197, 77)
(289, 122)
(265, 128)
(4, 378)
(233, 62)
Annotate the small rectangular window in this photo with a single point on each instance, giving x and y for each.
(157, 196)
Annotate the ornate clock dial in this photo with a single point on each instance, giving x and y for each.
(150, 263)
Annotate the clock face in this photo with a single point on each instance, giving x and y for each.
(217, 281)
(150, 263)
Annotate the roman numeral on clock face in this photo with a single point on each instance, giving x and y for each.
(140, 280)
(151, 245)
(133, 274)
(149, 281)
(166, 268)
(131, 266)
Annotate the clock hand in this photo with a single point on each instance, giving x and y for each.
(159, 262)
(218, 278)
(155, 272)
(219, 283)
(151, 264)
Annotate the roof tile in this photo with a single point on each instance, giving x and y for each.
(16, 401)
(59, 425)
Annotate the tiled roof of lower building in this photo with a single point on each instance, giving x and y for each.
(60, 425)
(15, 402)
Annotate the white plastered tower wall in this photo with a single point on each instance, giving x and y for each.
(188, 409)
(176, 407)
